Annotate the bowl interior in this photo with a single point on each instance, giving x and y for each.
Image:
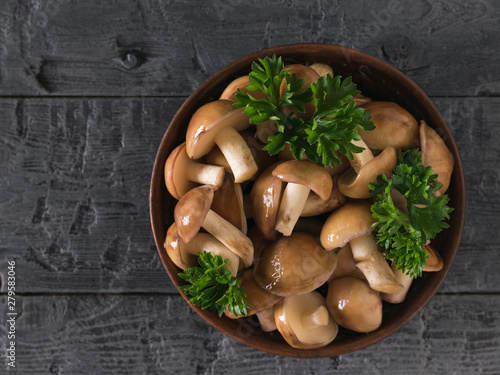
(375, 79)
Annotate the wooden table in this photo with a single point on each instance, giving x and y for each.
(87, 90)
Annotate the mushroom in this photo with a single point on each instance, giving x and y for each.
(193, 212)
(346, 266)
(354, 305)
(294, 265)
(434, 261)
(219, 123)
(266, 320)
(304, 321)
(309, 76)
(259, 299)
(182, 174)
(265, 199)
(322, 69)
(185, 255)
(262, 158)
(365, 169)
(228, 203)
(302, 177)
(352, 223)
(361, 100)
(394, 126)
(242, 82)
(404, 280)
(316, 206)
(436, 154)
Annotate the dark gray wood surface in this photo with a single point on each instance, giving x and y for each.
(87, 90)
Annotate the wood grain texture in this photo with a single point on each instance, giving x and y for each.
(162, 335)
(75, 182)
(153, 47)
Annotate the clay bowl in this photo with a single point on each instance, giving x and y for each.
(375, 79)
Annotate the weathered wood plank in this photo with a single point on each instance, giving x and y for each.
(152, 47)
(74, 184)
(160, 334)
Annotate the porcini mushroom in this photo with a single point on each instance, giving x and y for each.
(436, 154)
(228, 203)
(257, 297)
(185, 255)
(346, 266)
(182, 173)
(294, 265)
(219, 123)
(316, 206)
(193, 212)
(404, 280)
(266, 320)
(309, 76)
(322, 69)
(394, 126)
(301, 177)
(304, 321)
(434, 260)
(265, 199)
(354, 305)
(352, 223)
(241, 83)
(365, 169)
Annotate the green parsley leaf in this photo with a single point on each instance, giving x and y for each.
(333, 126)
(402, 235)
(211, 286)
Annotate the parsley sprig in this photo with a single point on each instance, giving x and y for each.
(211, 286)
(333, 125)
(402, 235)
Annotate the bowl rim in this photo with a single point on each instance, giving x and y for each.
(204, 91)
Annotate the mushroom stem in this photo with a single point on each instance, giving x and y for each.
(266, 319)
(405, 280)
(291, 206)
(360, 159)
(372, 263)
(205, 174)
(230, 236)
(315, 318)
(237, 153)
(205, 242)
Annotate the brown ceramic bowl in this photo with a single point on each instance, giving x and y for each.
(375, 79)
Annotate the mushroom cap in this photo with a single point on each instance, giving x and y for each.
(216, 157)
(349, 221)
(304, 322)
(173, 243)
(175, 172)
(256, 297)
(322, 69)
(354, 305)
(394, 126)
(309, 76)
(191, 210)
(436, 154)
(242, 82)
(293, 265)
(317, 206)
(265, 199)
(355, 185)
(306, 173)
(207, 121)
(404, 280)
(346, 266)
(228, 203)
(434, 261)
(185, 255)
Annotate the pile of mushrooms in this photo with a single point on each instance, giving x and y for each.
(288, 226)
